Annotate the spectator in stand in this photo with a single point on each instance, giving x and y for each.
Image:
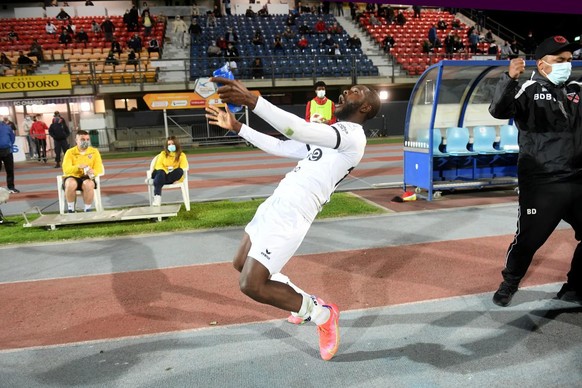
(230, 36)
(529, 45)
(353, 10)
(304, 28)
(195, 11)
(302, 43)
(441, 25)
(335, 28)
(258, 38)
(62, 15)
(514, 47)
(320, 109)
(231, 55)
(213, 50)
(133, 19)
(82, 37)
(328, 44)
(95, 28)
(65, 38)
(148, 23)
(373, 20)
(400, 18)
(222, 43)
(263, 12)
(416, 9)
(456, 24)
(250, 13)
(474, 41)
(54, 3)
(459, 46)
(320, 27)
(506, 51)
(339, 7)
(116, 47)
(144, 8)
(108, 29)
(179, 29)
(387, 43)
(50, 28)
(370, 7)
(36, 51)
(354, 42)
(59, 131)
(320, 9)
(278, 44)
(257, 70)
(493, 49)
(127, 21)
(216, 11)
(210, 20)
(195, 31)
(88, 3)
(291, 18)
(5, 61)
(135, 43)
(12, 35)
(110, 59)
(432, 34)
(132, 58)
(288, 34)
(154, 46)
(427, 47)
(38, 131)
(450, 45)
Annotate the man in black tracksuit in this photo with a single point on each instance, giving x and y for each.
(548, 113)
(60, 133)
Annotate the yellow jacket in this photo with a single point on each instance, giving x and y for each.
(163, 162)
(74, 158)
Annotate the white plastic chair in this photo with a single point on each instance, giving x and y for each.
(177, 185)
(63, 201)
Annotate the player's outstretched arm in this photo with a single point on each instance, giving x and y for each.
(288, 124)
(269, 144)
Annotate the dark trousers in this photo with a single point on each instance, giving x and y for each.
(60, 145)
(541, 208)
(161, 178)
(41, 148)
(7, 159)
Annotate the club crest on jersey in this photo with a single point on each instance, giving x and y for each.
(575, 98)
(315, 155)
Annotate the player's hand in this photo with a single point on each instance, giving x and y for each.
(223, 119)
(234, 92)
(516, 67)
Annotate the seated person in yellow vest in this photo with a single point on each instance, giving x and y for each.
(81, 165)
(320, 109)
(169, 168)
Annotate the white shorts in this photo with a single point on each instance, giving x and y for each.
(276, 232)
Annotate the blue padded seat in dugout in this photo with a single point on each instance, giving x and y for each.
(457, 140)
(508, 138)
(483, 139)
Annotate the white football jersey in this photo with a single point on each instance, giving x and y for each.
(328, 153)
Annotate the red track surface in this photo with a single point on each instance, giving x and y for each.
(68, 310)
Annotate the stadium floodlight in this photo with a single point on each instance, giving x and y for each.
(383, 95)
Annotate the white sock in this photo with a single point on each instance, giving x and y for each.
(71, 205)
(87, 207)
(313, 311)
(279, 277)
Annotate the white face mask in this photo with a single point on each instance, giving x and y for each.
(560, 72)
(320, 93)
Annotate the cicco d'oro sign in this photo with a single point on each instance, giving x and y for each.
(35, 82)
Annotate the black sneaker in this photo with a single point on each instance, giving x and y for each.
(14, 191)
(504, 294)
(70, 211)
(568, 294)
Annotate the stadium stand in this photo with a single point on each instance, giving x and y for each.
(291, 62)
(84, 61)
(409, 38)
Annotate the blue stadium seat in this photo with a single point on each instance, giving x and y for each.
(508, 142)
(457, 140)
(484, 137)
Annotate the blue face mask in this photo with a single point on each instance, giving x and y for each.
(172, 148)
(560, 72)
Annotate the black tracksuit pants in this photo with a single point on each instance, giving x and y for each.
(541, 208)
